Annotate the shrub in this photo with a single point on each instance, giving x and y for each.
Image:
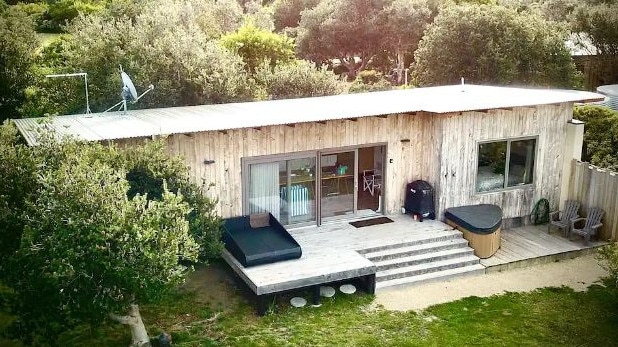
(608, 259)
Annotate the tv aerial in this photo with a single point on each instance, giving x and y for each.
(77, 74)
(129, 93)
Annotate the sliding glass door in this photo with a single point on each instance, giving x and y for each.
(338, 184)
(285, 188)
(315, 187)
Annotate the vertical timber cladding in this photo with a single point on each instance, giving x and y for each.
(417, 158)
(459, 155)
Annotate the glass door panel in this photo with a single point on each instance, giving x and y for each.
(337, 184)
(298, 192)
(265, 181)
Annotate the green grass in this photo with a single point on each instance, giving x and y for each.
(546, 317)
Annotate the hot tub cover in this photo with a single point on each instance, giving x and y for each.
(479, 219)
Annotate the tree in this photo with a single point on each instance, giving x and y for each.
(296, 80)
(166, 45)
(348, 30)
(256, 45)
(404, 22)
(287, 13)
(259, 15)
(17, 47)
(494, 45)
(600, 135)
(101, 230)
(599, 19)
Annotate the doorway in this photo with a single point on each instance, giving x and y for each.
(315, 187)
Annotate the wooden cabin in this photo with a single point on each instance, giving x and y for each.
(313, 160)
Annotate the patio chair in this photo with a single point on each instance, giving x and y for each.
(588, 226)
(562, 219)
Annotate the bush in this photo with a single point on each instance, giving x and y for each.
(296, 80)
(370, 81)
(600, 135)
(92, 228)
(62, 12)
(608, 259)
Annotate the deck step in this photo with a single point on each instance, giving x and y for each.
(468, 270)
(420, 269)
(432, 238)
(405, 251)
(417, 259)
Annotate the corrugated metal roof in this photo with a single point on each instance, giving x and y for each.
(191, 119)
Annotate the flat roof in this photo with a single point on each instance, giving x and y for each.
(192, 119)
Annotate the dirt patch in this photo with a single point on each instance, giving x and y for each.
(214, 285)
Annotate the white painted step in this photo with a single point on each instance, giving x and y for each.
(415, 270)
(426, 239)
(424, 258)
(424, 248)
(469, 270)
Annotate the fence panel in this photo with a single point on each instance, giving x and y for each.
(594, 186)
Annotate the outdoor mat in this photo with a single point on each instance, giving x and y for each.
(372, 221)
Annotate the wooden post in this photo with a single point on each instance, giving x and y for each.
(572, 150)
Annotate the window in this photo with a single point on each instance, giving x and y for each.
(510, 159)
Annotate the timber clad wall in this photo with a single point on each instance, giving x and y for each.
(596, 187)
(458, 161)
(438, 148)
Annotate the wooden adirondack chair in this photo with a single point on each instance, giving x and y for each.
(562, 219)
(588, 226)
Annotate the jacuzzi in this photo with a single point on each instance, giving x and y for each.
(480, 225)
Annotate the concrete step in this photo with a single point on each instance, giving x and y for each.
(469, 270)
(420, 269)
(433, 237)
(430, 247)
(423, 258)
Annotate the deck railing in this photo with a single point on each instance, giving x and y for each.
(594, 186)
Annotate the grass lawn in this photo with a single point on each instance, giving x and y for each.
(546, 317)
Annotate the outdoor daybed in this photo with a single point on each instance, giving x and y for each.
(480, 225)
(259, 239)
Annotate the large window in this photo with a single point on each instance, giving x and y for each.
(505, 164)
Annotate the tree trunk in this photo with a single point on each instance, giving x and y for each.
(139, 335)
(400, 65)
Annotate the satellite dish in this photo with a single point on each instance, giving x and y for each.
(129, 93)
(128, 88)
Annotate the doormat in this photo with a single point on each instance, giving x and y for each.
(372, 221)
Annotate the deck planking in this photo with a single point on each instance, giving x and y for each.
(317, 265)
(533, 244)
(332, 252)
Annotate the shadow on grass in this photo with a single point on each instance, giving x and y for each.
(213, 310)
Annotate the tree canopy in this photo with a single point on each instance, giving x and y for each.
(599, 20)
(255, 45)
(600, 135)
(297, 79)
(94, 228)
(341, 29)
(287, 13)
(168, 44)
(17, 47)
(495, 45)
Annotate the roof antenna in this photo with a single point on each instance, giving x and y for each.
(129, 93)
(77, 74)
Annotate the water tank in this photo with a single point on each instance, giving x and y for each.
(611, 93)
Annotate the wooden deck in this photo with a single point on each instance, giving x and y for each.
(342, 235)
(532, 245)
(338, 251)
